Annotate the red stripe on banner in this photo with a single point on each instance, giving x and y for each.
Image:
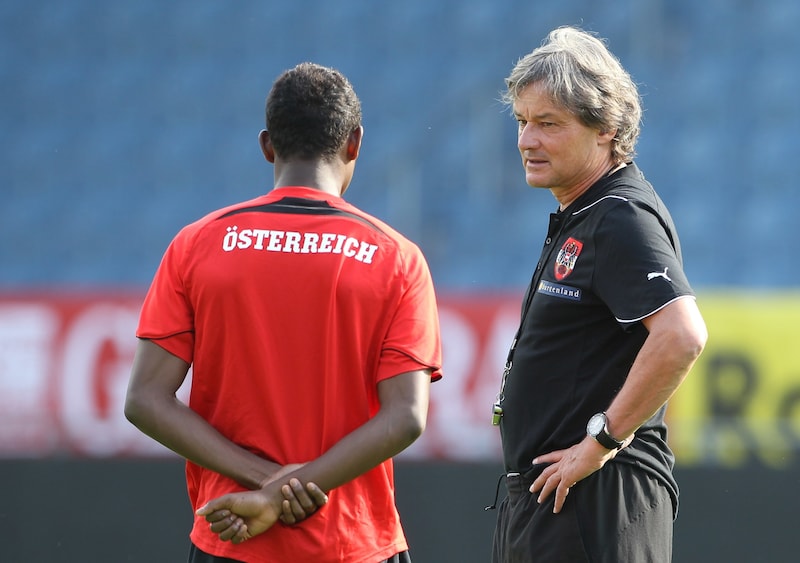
(65, 361)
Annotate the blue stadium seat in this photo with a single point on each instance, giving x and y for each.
(136, 118)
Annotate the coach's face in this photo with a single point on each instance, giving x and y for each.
(558, 151)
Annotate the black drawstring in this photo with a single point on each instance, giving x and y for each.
(496, 494)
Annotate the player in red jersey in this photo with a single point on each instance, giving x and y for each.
(313, 336)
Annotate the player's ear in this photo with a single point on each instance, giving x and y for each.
(354, 143)
(265, 143)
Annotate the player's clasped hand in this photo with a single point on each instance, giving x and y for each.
(238, 517)
(300, 502)
(228, 526)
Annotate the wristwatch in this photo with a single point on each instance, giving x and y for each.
(597, 428)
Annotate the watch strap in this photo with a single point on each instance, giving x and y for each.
(605, 440)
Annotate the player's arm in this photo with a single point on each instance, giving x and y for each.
(677, 336)
(399, 422)
(152, 406)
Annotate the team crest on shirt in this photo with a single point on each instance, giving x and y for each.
(567, 256)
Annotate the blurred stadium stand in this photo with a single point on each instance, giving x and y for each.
(122, 121)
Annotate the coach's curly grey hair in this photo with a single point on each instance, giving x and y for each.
(583, 76)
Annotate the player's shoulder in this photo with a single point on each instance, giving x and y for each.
(404, 251)
(212, 216)
(382, 227)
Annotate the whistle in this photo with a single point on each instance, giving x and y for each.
(497, 414)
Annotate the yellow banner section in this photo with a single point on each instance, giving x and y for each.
(741, 402)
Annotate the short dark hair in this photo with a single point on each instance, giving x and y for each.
(311, 111)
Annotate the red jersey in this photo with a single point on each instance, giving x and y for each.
(291, 308)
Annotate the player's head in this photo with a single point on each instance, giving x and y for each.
(585, 78)
(311, 112)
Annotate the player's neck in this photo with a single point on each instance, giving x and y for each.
(320, 176)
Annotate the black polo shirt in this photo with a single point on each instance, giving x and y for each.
(609, 260)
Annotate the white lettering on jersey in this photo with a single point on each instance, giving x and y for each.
(295, 242)
(310, 243)
(275, 239)
(325, 243)
(260, 234)
(292, 242)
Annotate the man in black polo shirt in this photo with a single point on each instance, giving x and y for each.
(609, 325)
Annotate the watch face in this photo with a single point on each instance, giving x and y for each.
(596, 424)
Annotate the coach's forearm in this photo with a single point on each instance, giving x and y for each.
(677, 337)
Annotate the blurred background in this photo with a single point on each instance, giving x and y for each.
(123, 121)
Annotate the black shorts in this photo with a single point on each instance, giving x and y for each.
(196, 555)
(619, 514)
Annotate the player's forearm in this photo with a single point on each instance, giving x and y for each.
(381, 438)
(183, 431)
(401, 420)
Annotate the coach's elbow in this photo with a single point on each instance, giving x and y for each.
(693, 340)
(680, 333)
(699, 342)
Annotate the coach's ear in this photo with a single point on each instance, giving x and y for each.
(266, 146)
(605, 137)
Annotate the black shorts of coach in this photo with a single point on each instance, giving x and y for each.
(619, 514)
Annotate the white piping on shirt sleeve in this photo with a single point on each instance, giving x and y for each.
(654, 311)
